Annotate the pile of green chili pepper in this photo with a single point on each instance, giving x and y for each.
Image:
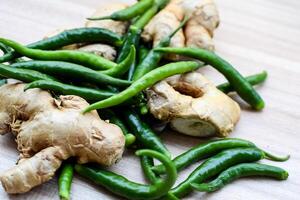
(110, 85)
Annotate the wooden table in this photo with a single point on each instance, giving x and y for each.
(254, 35)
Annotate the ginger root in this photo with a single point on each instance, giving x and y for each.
(193, 106)
(48, 131)
(198, 31)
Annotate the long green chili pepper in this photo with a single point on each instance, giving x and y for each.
(65, 181)
(128, 189)
(147, 163)
(124, 66)
(88, 94)
(216, 164)
(59, 68)
(129, 12)
(72, 36)
(87, 59)
(202, 151)
(143, 52)
(5, 49)
(236, 80)
(144, 134)
(114, 119)
(3, 81)
(146, 81)
(211, 148)
(241, 170)
(253, 80)
(25, 75)
(152, 59)
(132, 38)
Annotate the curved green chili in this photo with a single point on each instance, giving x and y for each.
(114, 119)
(5, 49)
(144, 134)
(241, 170)
(25, 75)
(128, 189)
(72, 36)
(253, 80)
(88, 94)
(236, 80)
(124, 66)
(132, 38)
(65, 69)
(216, 164)
(127, 13)
(152, 59)
(211, 148)
(146, 81)
(202, 151)
(65, 181)
(87, 59)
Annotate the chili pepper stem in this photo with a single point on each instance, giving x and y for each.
(272, 157)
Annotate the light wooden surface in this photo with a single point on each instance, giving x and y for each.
(254, 35)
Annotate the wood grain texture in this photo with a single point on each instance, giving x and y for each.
(254, 35)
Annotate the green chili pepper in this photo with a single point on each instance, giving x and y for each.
(88, 94)
(3, 81)
(144, 134)
(253, 80)
(58, 68)
(87, 59)
(5, 49)
(236, 80)
(202, 151)
(114, 119)
(132, 38)
(211, 148)
(147, 163)
(128, 189)
(124, 66)
(72, 36)
(24, 75)
(146, 81)
(152, 59)
(143, 52)
(127, 13)
(65, 181)
(216, 164)
(241, 170)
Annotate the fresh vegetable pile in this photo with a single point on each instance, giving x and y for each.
(129, 82)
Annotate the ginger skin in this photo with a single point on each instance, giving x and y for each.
(193, 106)
(198, 31)
(48, 131)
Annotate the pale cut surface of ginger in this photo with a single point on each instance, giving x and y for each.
(193, 106)
(48, 131)
(198, 31)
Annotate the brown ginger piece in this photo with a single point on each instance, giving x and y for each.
(163, 24)
(193, 106)
(198, 31)
(200, 27)
(48, 131)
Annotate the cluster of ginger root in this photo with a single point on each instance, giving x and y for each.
(50, 130)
